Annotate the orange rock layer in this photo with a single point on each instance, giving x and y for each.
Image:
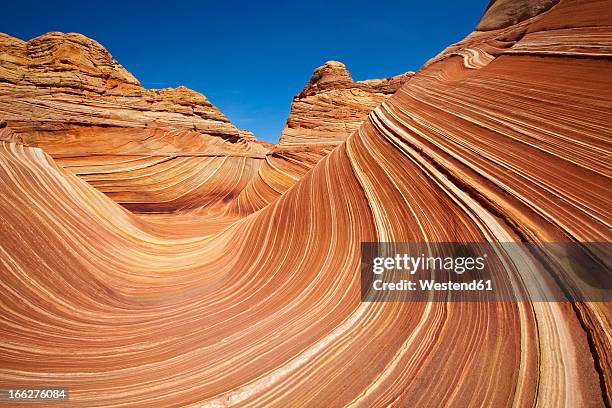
(503, 137)
(332, 106)
(325, 113)
(150, 150)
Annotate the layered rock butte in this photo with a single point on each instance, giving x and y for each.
(323, 115)
(150, 150)
(252, 298)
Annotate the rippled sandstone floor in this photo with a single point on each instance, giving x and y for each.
(152, 254)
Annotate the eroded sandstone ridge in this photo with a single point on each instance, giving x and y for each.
(504, 136)
(167, 150)
(150, 150)
(323, 115)
(60, 80)
(332, 106)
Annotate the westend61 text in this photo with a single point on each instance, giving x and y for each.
(429, 285)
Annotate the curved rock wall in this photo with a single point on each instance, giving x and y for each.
(502, 137)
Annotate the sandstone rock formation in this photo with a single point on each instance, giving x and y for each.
(150, 150)
(502, 137)
(68, 79)
(329, 108)
(504, 13)
(332, 106)
(167, 150)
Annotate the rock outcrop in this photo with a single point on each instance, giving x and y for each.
(59, 80)
(325, 113)
(503, 137)
(150, 150)
(505, 13)
(332, 106)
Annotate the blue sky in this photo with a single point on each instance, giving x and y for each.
(250, 57)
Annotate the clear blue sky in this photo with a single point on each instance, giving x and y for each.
(250, 57)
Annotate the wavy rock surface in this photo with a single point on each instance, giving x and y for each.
(324, 114)
(151, 150)
(502, 137)
(167, 150)
(504, 13)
